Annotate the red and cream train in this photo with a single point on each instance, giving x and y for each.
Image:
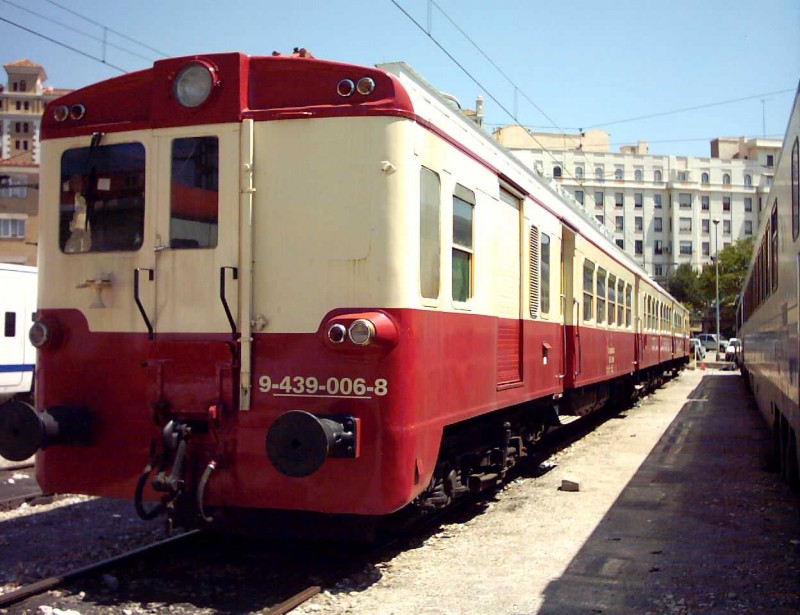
(283, 283)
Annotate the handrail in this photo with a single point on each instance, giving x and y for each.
(222, 297)
(150, 277)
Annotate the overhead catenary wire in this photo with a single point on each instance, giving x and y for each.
(693, 108)
(76, 30)
(62, 44)
(478, 83)
(494, 64)
(96, 23)
(467, 72)
(579, 180)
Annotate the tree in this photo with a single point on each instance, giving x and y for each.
(733, 263)
(684, 285)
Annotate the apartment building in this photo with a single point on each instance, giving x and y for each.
(662, 210)
(22, 102)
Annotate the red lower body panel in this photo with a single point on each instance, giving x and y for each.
(442, 369)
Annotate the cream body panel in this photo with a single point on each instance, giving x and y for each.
(334, 218)
(184, 296)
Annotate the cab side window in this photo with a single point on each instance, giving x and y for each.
(194, 194)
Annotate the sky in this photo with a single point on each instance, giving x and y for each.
(631, 67)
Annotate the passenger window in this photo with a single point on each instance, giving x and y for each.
(463, 209)
(601, 295)
(429, 232)
(621, 303)
(102, 198)
(612, 299)
(628, 305)
(194, 198)
(795, 179)
(588, 289)
(11, 324)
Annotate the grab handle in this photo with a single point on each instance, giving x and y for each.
(150, 277)
(222, 293)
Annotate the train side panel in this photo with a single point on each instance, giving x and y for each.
(770, 356)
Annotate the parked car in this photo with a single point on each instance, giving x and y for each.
(698, 349)
(708, 341)
(732, 349)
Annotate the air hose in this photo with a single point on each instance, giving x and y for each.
(201, 490)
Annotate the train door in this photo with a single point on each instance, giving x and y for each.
(195, 277)
(508, 294)
(568, 301)
(637, 324)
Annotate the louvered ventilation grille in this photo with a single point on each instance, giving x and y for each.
(534, 272)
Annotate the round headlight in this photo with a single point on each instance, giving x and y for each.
(76, 112)
(193, 85)
(365, 86)
(345, 87)
(337, 334)
(39, 334)
(361, 332)
(60, 113)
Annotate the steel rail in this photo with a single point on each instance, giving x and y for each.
(295, 601)
(19, 500)
(39, 587)
(16, 467)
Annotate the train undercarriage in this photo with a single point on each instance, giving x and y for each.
(477, 455)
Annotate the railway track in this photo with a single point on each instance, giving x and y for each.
(39, 587)
(570, 432)
(283, 557)
(18, 486)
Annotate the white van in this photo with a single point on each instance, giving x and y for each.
(17, 306)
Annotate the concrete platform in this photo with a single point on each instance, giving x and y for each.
(704, 526)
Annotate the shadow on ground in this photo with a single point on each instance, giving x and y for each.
(703, 526)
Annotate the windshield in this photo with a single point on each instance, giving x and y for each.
(102, 198)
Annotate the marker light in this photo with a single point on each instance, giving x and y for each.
(39, 334)
(337, 334)
(60, 113)
(76, 112)
(361, 332)
(366, 86)
(193, 85)
(346, 87)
